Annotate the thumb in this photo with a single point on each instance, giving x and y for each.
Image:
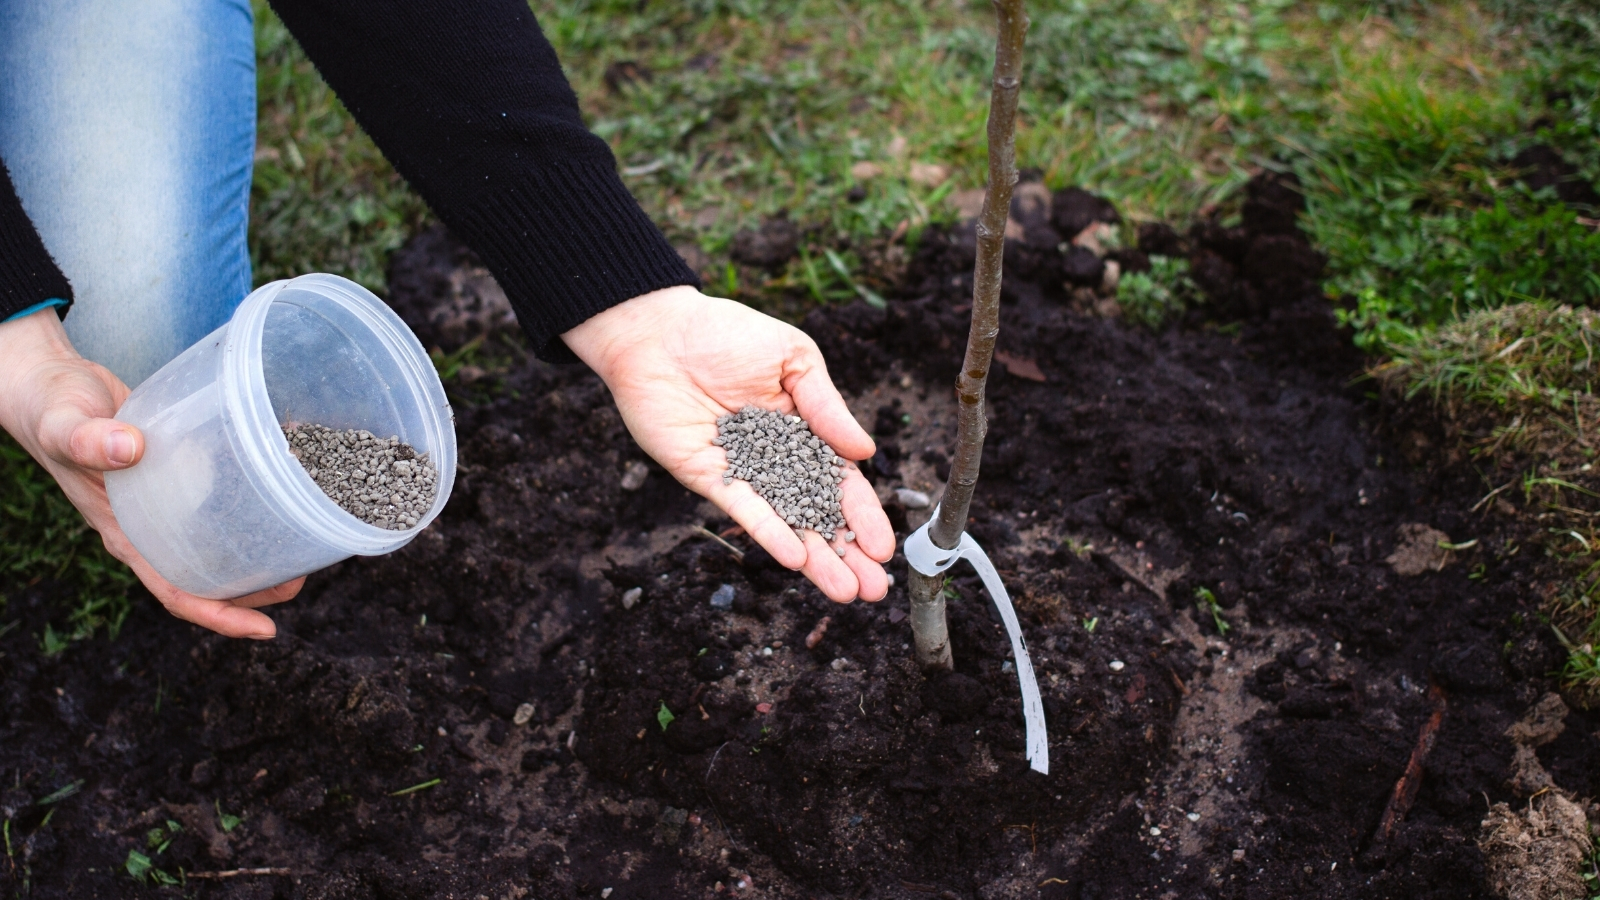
(69, 435)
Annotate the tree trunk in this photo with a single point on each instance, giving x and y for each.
(928, 623)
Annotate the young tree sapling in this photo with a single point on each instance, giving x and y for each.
(928, 626)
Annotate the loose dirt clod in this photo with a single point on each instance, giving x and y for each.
(1536, 853)
(381, 481)
(1543, 723)
(791, 468)
(1419, 549)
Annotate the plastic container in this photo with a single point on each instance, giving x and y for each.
(218, 505)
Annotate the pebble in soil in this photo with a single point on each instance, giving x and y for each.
(381, 481)
(789, 467)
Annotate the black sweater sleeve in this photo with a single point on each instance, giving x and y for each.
(467, 100)
(28, 275)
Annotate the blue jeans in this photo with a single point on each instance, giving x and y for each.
(129, 130)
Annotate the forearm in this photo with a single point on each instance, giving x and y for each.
(28, 275)
(468, 101)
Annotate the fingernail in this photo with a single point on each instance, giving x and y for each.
(119, 448)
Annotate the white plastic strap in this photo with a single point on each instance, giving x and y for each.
(928, 558)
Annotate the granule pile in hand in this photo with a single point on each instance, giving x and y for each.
(791, 468)
(380, 481)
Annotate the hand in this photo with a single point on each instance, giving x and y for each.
(676, 359)
(58, 406)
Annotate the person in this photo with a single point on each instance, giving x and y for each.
(126, 142)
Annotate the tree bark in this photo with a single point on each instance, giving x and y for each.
(928, 623)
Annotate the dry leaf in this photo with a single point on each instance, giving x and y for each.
(1019, 366)
(928, 174)
(865, 171)
(968, 203)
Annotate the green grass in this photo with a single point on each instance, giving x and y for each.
(1411, 191)
(1527, 358)
(43, 539)
(745, 109)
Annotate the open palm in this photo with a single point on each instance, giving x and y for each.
(676, 359)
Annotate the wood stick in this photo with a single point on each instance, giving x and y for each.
(236, 873)
(738, 555)
(929, 626)
(1405, 790)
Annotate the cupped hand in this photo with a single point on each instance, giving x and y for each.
(676, 359)
(58, 406)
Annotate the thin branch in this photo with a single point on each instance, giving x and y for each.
(972, 424)
(1405, 789)
(929, 626)
(738, 555)
(236, 873)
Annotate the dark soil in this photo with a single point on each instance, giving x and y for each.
(566, 741)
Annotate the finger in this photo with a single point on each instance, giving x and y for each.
(872, 582)
(864, 515)
(93, 443)
(221, 616)
(758, 519)
(828, 572)
(819, 403)
(271, 595)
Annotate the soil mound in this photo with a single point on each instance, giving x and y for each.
(538, 697)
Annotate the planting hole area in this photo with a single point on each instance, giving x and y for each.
(1273, 663)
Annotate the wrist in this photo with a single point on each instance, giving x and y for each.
(26, 343)
(608, 336)
(37, 335)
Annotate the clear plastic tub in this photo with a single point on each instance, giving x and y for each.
(218, 505)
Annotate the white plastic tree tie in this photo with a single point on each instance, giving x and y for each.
(930, 559)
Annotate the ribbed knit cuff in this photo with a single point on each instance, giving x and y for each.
(27, 273)
(566, 243)
(55, 303)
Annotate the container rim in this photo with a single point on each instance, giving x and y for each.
(254, 431)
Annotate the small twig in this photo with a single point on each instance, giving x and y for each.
(1405, 790)
(738, 555)
(713, 800)
(236, 873)
(1492, 494)
(1032, 830)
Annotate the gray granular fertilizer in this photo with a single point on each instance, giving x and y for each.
(791, 468)
(380, 481)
